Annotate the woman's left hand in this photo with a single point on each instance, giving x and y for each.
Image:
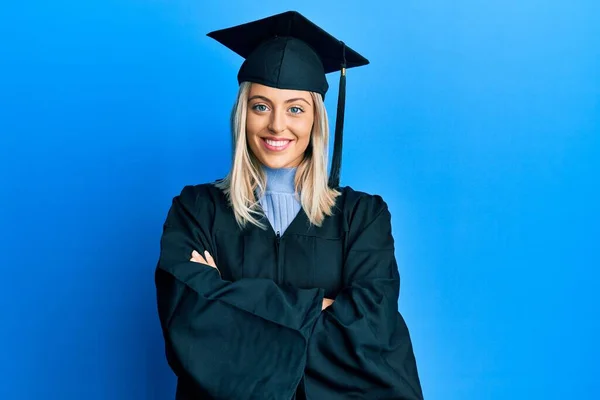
(197, 257)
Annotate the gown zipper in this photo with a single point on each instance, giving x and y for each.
(278, 266)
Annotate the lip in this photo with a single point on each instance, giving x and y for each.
(275, 148)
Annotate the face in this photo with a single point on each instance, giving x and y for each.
(278, 125)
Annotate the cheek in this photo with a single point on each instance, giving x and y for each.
(303, 131)
(252, 127)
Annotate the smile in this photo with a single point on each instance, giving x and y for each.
(276, 145)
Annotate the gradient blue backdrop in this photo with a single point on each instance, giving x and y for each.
(478, 121)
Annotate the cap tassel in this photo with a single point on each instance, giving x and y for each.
(336, 162)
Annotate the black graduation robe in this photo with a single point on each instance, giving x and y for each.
(256, 330)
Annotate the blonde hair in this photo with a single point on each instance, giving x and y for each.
(246, 181)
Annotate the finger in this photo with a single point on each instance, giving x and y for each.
(196, 257)
(327, 303)
(209, 259)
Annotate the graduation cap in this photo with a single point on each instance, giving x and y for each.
(287, 51)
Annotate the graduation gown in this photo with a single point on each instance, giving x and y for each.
(254, 329)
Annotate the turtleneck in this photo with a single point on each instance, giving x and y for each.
(279, 201)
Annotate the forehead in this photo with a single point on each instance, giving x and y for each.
(275, 94)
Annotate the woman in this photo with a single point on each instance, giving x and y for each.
(275, 283)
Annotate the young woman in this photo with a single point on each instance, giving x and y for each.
(275, 282)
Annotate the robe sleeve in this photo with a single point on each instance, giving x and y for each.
(360, 347)
(229, 340)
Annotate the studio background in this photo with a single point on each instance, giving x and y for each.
(477, 121)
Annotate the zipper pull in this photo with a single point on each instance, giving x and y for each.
(278, 236)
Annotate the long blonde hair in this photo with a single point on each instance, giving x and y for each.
(246, 181)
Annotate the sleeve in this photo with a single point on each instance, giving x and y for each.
(229, 340)
(360, 347)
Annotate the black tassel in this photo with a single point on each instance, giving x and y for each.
(336, 162)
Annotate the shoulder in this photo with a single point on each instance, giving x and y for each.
(200, 191)
(200, 198)
(361, 208)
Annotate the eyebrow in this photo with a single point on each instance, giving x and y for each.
(287, 101)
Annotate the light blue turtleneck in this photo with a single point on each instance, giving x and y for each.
(279, 201)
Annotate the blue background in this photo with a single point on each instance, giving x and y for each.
(478, 121)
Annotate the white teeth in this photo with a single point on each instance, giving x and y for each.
(277, 143)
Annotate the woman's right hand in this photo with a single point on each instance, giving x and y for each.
(326, 303)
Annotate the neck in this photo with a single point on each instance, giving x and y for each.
(280, 180)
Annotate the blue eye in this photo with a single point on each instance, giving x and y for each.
(296, 110)
(259, 107)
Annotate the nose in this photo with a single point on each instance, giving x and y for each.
(277, 122)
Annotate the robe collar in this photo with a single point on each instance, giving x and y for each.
(280, 180)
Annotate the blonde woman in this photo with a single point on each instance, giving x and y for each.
(275, 282)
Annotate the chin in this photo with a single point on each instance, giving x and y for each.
(274, 163)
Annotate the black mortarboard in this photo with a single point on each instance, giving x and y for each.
(287, 51)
